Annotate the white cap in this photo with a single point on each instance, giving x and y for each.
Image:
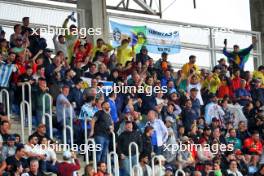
(67, 155)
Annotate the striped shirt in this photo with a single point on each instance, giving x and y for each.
(5, 73)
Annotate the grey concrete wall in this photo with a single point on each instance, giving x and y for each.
(95, 16)
(257, 19)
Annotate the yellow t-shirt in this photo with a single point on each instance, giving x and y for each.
(124, 54)
(259, 75)
(104, 48)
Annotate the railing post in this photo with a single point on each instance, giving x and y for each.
(153, 164)
(23, 105)
(130, 156)
(47, 114)
(29, 104)
(2, 92)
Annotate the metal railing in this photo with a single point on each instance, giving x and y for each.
(116, 164)
(29, 104)
(94, 152)
(130, 156)
(23, 106)
(179, 171)
(153, 164)
(47, 114)
(69, 127)
(86, 144)
(4, 95)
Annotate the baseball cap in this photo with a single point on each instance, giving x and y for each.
(67, 155)
(170, 119)
(168, 168)
(11, 138)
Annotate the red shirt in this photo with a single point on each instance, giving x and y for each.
(253, 147)
(235, 84)
(67, 169)
(222, 91)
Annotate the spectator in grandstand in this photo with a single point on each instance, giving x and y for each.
(232, 139)
(101, 169)
(76, 96)
(63, 104)
(47, 60)
(41, 132)
(113, 108)
(160, 134)
(50, 162)
(17, 159)
(9, 149)
(242, 94)
(166, 78)
(25, 26)
(39, 93)
(190, 67)
(103, 72)
(193, 83)
(242, 131)
(259, 74)
(208, 169)
(57, 66)
(221, 65)
(34, 169)
(60, 44)
(101, 46)
(89, 170)
(32, 149)
(204, 153)
(146, 141)
(15, 35)
(253, 145)
(142, 56)
(233, 169)
(101, 128)
(224, 87)
(5, 130)
(124, 141)
(162, 64)
(143, 168)
(236, 81)
(211, 83)
(212, 109)
(7, 68)
(68, 79)
(92, 72)
(69, 165)
(257, 92)
(4, 47)
(185, 159)
(125, 52)
(189, 115)
(17, 169)
(237, 58)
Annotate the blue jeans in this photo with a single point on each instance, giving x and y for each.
(101, 155)
(126, 164)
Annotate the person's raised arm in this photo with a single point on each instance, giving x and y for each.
(225, 52)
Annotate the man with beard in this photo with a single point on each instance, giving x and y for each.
(101, 128)
(101, 166)
(143, 168)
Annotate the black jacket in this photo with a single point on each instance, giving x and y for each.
(125, 139)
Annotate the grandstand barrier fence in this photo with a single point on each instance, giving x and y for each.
(47, 114)
(116, 164)
(179, 171)
(153, 163)
(93, 153)
(24, 105)
(69, 127)
(130, 156)
(4, 98)
(29, 103)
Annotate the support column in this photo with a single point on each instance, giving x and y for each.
(257, 18)
(95, 17)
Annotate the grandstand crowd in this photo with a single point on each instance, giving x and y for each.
(218, 107)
